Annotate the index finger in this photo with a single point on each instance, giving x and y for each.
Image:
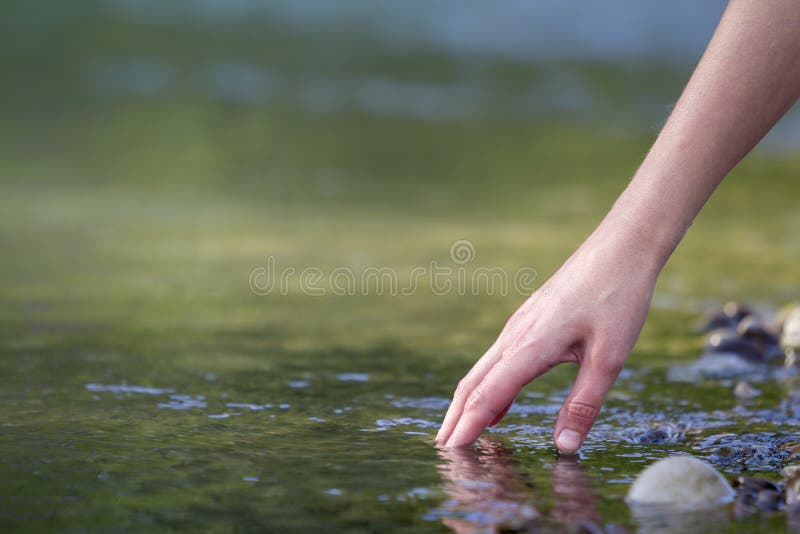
(464, 388)
(498, 389)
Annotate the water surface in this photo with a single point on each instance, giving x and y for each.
(151, 159)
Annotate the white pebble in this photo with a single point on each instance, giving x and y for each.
(680, 482)
(790, 338)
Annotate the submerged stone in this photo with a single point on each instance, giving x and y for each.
(682, 482)
(715, 365)
(664, 433)
(756, 495)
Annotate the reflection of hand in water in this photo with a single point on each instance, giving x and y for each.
(486, 490)
(574, 500)
(483, 487)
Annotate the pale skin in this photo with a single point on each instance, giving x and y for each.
(592, 309)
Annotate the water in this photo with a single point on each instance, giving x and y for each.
(146, 385)
(346, 450)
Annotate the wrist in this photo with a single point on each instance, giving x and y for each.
(638, 235)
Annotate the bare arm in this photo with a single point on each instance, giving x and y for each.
(747, 79)
(592, 310)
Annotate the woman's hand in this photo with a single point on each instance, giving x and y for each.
(590, 312)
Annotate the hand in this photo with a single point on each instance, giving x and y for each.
(590, 312)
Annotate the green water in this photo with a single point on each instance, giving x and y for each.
(145, 385)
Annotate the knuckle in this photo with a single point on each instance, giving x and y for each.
(462, 388)
(582, 412)
(475, 400)
(507, 354)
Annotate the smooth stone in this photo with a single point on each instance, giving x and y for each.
(790, 337)
(756, 331)
(682, 482)
(793, 491)
(790, 471)
(754, 328)
(729, 342)
(726, 317)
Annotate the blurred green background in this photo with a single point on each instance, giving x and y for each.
(152, 155)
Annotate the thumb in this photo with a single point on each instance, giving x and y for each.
(580, 410)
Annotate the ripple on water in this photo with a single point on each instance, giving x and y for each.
(385, 424)
(179, 401)
(649, 434)
(128, 389)
(248, 406)
(424, 403)
(752, 451)
(534, 409)
(184, 402)
(353, 377)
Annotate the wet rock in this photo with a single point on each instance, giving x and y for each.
(791, 448)
(790, 470)
(682, 482)
(664, 433)
(728, 341)
(754, 330)
(790, 332)
(793, 492)
(745, 453)
(769, 500)
(738, 348)
(780, 316)
(715, 365)
(756, 495)
(726, 317)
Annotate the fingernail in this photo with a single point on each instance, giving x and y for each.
(568, 440)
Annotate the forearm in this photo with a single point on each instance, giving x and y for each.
(747, 79)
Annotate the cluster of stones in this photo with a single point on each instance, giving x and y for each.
(735, 333)
(741, 341)
(756, 337)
